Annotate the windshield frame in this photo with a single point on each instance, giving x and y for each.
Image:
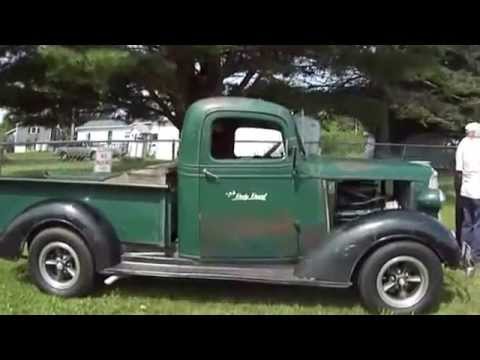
(300, 142)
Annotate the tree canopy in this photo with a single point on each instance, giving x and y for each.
(392, 89)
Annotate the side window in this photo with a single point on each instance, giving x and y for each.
(236, 139)
(259, 143)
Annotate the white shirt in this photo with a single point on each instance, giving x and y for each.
(468, 162)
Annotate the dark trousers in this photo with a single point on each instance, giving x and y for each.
(471, 225)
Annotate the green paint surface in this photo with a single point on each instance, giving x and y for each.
(138, 214)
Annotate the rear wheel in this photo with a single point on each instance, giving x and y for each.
(61, 264)
(401, 278)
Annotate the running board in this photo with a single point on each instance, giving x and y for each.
(154, 258)
(278, 274)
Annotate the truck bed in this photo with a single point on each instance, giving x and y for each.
(151, 176)
(140, 213)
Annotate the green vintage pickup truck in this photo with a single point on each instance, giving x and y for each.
(276, 216)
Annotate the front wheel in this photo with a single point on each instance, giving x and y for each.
(61, 264)
(401, 278)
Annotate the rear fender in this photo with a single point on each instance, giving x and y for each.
(338, 256)
(97, 232)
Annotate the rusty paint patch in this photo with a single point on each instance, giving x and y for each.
(248, 237)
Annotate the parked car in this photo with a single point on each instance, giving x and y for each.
(82, 151)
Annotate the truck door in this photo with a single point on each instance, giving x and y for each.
(246, 189)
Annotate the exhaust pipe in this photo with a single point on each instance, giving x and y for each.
(113, 279)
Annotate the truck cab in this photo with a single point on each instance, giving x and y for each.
(268, 213)
(244, 205)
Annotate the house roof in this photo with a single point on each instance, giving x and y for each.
(103, 124)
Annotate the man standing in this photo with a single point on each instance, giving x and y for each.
(468, 170)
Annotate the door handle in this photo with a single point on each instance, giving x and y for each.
(210, 175)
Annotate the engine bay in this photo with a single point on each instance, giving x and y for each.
(351, 200)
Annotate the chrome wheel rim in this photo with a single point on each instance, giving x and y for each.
(403, 282)
(59, 265)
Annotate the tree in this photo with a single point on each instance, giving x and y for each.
(31, 97)
(50, 84)
(441, 100)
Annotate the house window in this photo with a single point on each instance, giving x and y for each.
(34, 130)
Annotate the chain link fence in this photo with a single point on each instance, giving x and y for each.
(441, 157)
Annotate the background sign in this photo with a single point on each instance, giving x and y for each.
(103, 161)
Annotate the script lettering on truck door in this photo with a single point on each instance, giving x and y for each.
(238, 196)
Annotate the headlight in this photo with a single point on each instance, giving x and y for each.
(443, 198)
(434, 184)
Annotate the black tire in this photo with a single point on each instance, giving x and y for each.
(85, 280)
(372, 268)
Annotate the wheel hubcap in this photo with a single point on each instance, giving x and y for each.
(403, 282)
(59, 265)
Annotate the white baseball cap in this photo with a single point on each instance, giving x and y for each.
(473, 127)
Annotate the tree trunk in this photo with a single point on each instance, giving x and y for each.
(194, 87)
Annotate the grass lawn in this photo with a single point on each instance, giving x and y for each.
(153, 296)
(36, 164)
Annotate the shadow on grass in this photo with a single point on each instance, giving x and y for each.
(236, 292)
(231, 292)
(455, 290)
(219, 291)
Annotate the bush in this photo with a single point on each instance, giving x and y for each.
(342, 143)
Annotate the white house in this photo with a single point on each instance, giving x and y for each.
(107, 131)
(161, 139)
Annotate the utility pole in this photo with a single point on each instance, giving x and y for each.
(72, 129)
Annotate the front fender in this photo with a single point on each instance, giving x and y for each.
(337, 256)
(98, 233)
